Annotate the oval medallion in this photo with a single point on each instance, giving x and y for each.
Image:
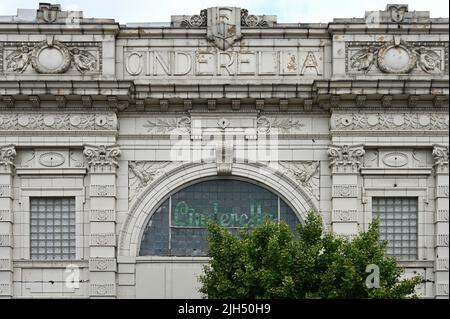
(51, 159)
(395, 159)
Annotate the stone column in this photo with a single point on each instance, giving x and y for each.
(441, 280)
(345, 162)
(102, 162)
(7, 154)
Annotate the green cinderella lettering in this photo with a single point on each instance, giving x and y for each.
(186, 216)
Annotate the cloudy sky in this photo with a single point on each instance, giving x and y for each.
(286, 10)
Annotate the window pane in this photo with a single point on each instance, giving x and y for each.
(180, 230)
(49, 240)
(398, 221)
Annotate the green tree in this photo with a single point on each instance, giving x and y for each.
(270, 262)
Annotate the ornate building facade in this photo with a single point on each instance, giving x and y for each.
(118, 142)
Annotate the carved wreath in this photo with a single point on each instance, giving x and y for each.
(364, 59)
(19, 60)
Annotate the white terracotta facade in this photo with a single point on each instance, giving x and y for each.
(119, 117)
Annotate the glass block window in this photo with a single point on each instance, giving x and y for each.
(179, 226)
(398, 225)
(52, 228)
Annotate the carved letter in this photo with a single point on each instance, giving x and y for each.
(225, 65)
(134, 64)
(183, 63)
(310, 62)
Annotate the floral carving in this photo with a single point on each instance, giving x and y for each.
(98, 156)
(142, 174)
(346, 156)
(440, 154)
(61, 121)
(267, 125)
(169, 125)
(196, 20)
(305, 174)
(7, 155)
(392, 121)
(251, 20)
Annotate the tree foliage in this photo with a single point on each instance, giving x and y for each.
(271, 262)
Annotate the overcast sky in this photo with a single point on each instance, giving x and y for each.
(286, 10)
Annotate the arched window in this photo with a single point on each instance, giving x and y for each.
(178, 226)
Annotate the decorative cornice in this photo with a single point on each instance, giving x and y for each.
(346, 158)
(61, 121)
(387, 121)
(102, 155)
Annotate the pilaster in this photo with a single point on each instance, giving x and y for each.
(7, 155)
(102, 162)
(440, 154)
(345, 162)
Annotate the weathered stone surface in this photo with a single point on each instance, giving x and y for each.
(120, 117)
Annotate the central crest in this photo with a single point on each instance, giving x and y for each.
(224, 26)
